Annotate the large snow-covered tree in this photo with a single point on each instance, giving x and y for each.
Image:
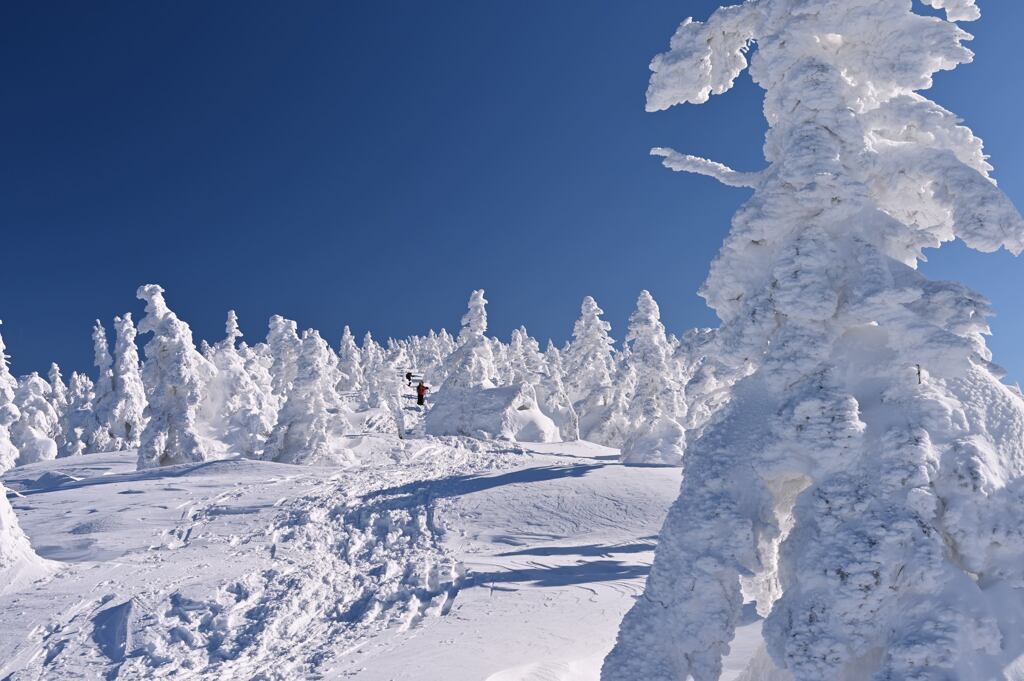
(9, 413)
(17, 559)
(864, 484)
(175, 375)
(654, 434)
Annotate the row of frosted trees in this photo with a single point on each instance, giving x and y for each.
(292, 397)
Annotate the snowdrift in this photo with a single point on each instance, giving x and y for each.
(505, 413)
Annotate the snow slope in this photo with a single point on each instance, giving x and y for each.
(435, 559)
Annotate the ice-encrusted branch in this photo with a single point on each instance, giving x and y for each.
(673, 160)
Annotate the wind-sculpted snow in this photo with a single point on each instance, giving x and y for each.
(863, 482)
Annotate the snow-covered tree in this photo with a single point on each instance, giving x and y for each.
(175, 375)
(553, 397)
(655, 434)
(77, 420)
(33, 432)
(9, 413)
(58, 389)
(865, 483)
(100, 436)
(284, 345)
(129, 404)
(349, 363)
(471, 364)
(239, 408)
(526, 363)
(17, 559)
(589, 358)
(590, 366)
(310, 414)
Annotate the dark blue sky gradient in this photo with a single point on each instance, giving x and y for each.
(371, 163)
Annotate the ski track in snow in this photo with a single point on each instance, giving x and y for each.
(446, 563)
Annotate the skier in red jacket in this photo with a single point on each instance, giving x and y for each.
(421, 393)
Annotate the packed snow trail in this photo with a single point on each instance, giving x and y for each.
(432, 561)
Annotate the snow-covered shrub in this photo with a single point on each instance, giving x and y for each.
(864, 483)
(175, 375)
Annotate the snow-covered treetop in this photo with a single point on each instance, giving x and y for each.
(647, 341)
(474, 322)
(157, 311)
(589, 357)
(232, 332)
(101, 351)
(7, 382)
(831, 62)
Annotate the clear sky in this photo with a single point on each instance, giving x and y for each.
(370, 163)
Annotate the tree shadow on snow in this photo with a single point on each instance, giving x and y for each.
(459, 485)
(562, 575)
(602, 550)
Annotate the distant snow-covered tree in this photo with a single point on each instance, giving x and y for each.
(129, 398)
(239, 408)
(175, 375)
(58, 389)
(526, 363)
(350, 363)
(553, 397)
(864, 484)
(284, 345)
(100, 436)
(471, 364)
(310, 415)
(590, 367)
(77, 419)
(33, 432)
(655, 435)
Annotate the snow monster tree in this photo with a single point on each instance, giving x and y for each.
(865, 485)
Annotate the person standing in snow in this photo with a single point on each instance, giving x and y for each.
(408, 378)
(421, 393)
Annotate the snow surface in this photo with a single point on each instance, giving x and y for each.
(435, 559)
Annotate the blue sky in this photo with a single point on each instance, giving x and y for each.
(371, 163)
